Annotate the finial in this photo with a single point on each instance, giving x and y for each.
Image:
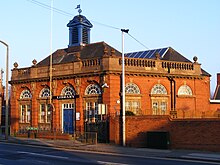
(157, 55)
(34, 62)
(15, 65)
(195, 59)
(79, 10)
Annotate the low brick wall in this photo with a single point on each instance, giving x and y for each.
(201, 134)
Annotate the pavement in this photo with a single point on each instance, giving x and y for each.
(119, 150)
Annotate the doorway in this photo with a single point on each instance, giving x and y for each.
(68, 118)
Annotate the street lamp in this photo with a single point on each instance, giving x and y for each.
(123, 89)
(6, 102)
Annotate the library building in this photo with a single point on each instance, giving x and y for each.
(78, 87)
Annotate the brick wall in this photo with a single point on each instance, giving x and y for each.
(202, 134)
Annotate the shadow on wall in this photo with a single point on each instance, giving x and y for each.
(146, 131)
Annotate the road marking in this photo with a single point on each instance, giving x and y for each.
(43, 155)
(215, 156)
(153, 150)
(110, 163)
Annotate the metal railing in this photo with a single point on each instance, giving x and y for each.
(83, 137)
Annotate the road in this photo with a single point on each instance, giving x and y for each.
(18, 154)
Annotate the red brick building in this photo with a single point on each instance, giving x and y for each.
(1, 98)
(86, 76)
(217, 90)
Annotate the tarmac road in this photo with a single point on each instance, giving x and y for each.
(14, 153)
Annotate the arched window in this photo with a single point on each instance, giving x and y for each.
(159, 100)
(25, 107)
(133, 103)
(185, 90)
(93, 89)
(159, 90)
(91, 106)
(25, 94)
(68, 92)
(45, 92)
(131, 88)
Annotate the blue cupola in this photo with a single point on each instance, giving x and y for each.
(79, 31)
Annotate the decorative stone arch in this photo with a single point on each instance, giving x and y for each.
(45, 92)
(158, 89)
(93, 89)
(25, 94)
(184, 90)
(131, 88)
(68, 92)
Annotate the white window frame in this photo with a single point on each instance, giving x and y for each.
(47, 113)
(25, 113)
(25, 94)
(93, 89)
(184, 90)
(131, 88)
(91, 112)
(45, 92)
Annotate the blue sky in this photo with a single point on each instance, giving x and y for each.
(191, 27)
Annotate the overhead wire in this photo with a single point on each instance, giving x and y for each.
(137, 41)
(70, 15)
(49, 7)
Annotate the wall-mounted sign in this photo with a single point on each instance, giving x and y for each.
(65, 97)
(77, 116)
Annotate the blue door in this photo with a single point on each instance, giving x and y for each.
(68, 121)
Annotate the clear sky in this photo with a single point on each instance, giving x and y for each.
(191, 27)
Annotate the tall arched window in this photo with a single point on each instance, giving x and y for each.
(25, 107)
(159, 90)
(131, 88)
(133, 103)
(92, 100)
(45, 114)
(25, 94)
(185, 90)
(45, 92)
(159, 100)
(68, 92)
(93, 89)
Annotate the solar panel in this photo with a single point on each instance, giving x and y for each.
(147, 53)
(139, 54)
(143, 54)
(152, 55)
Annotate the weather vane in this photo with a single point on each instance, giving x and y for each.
(79, 10)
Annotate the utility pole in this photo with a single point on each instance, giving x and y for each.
(123, 89)
(6, 92)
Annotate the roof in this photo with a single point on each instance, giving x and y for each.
(217, 93)
(79, 20)
(99, 49)
(166, 53)
(72, 54)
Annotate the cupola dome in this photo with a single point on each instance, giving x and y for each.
(79, 31)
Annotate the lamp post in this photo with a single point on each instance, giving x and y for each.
(6, 95)
(123, 89)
